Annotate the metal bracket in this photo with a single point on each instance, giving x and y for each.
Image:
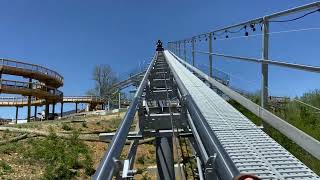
(127, 173)
(209, 171)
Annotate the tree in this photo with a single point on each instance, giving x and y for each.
(104, 79)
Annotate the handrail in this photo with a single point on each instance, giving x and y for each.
(25, 85)
(107, 166)
(302, 67)
(32, 67)
(310, 6)
(304, 140)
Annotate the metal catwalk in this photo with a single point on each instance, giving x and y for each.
(172, 103)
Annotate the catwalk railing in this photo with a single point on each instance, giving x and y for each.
(179, 47)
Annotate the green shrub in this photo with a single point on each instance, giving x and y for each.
(66, 127)
(62, 157)
(5, 166)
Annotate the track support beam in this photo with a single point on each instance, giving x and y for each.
(164, 156)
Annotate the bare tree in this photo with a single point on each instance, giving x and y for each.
(104, 79)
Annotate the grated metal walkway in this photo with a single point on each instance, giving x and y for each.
(252, 150)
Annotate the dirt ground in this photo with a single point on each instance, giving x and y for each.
(14, 166)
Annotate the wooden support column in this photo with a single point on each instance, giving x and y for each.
(35, 113)
(61, 111)
(29, 101)
(17, 113)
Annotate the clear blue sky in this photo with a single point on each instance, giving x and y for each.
(72, 36)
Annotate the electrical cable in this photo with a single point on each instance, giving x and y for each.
(297, 18)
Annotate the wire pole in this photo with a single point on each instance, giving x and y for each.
(210, 55)
(264, 66)
(184, 50)
(193, 60)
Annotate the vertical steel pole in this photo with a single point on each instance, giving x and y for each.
(264, 66)
(46, 114)
(119, 101)
(53, 109)
(193, 52)
(185, 51)
(76, 107)
(61, 110)
(179, 49)
(210, 55)
(17, 114)
(35, 112)
(29, 101)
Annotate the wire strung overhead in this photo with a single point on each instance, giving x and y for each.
(251, 25)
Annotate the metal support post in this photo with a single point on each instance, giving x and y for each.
(184, 50)
(47, 111)
(264, 66)
(179, 49)
(35, 112)
(210, 55)
(193, 51)
(76, 107)
(29, 101)
(119, 101)
(61, 110)
(164, 156)
(53, 109)
(17, 114)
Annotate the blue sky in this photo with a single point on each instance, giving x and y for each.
(72, 36)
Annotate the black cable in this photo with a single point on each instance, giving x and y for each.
(236, 30)
(288, 20)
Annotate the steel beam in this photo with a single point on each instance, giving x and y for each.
(35, 113)
(302, 67)
(107, 166)
(193, 49)
(264, 66)
(29, 101)
(305, 141)
(61, 110)
(226, 170)
(164, 156)
(17, 114)
(210, 54)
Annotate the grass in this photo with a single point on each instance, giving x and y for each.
(66, 127)
(4, 167)
(60, 158)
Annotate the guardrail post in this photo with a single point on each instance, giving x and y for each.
(193, 51)
(210, 54)
(184, 50)
(264, 66)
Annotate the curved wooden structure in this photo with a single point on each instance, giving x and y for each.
(45, 75)
(40, 89)
(23, 101)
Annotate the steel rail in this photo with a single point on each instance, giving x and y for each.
(315, 69)
(226, 169)
(310, 6)
(305, 141)
(107, 166)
